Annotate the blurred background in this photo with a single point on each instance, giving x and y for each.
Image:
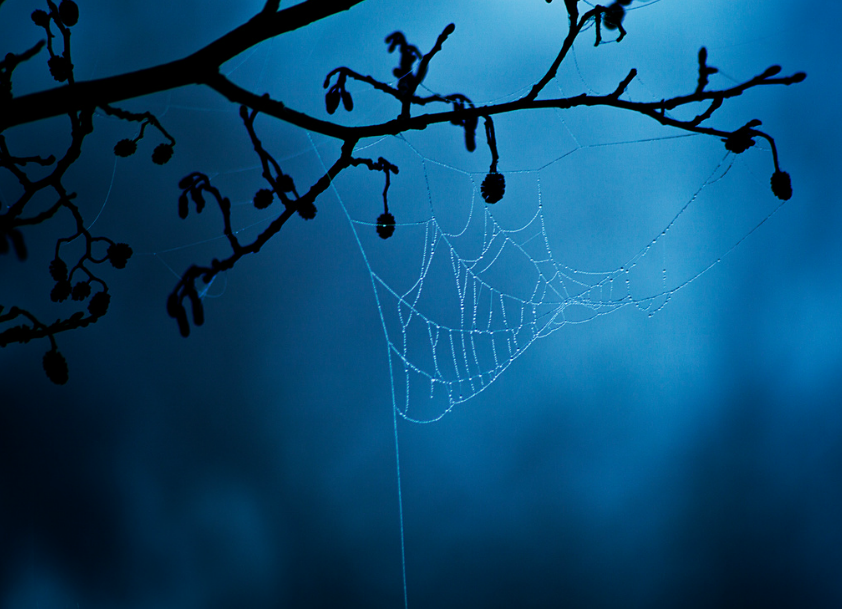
(689, 458)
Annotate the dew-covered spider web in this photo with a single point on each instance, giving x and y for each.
(464, 288)
(603, 210)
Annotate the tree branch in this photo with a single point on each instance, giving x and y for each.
(187, 71)
(655, 110)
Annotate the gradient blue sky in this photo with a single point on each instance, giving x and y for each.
(693, 458)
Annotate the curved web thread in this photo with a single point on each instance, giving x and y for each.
(467, 288)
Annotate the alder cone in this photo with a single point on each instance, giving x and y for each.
(80, 291)
(119, 254)
(738, 143)
(60, 68)
(125, 147)
(162, 154)
(781, 185)
(61, 291)
(493, 187)
(263, 198)
(307, 210)
(69, 12)
(98, 306)
(58, 269)
(55, 366)
(40, 18)
(385, 225)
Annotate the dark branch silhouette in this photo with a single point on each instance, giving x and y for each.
(79, 280)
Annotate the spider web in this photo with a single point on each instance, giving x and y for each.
(602, 211)
(464, 288)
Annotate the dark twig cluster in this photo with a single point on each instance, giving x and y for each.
(280, 184)
(63, 17)
(79, 101)
(44, 197)
(76, 281)
(127, 147)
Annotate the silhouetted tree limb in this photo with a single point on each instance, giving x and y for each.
(655, 110)
(79, 100)
(190, 70)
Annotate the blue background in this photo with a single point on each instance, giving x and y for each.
(692, 458)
